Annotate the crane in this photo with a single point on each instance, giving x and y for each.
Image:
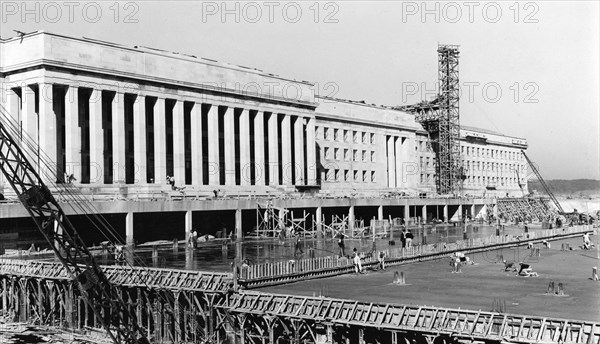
(561, 211)
(50, 219)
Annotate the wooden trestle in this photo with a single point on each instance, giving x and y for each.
(325, 320)
(179, 306)
(197, 307)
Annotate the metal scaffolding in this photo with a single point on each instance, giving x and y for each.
(440, 118)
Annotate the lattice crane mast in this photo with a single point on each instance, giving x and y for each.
(561, 211)
(99, 294)
(440, 118)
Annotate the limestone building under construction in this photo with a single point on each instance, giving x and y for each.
(118, 120)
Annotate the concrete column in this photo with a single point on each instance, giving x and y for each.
(196, 141)
(391, 162)
(460, 212)
(473, 211)
(213, 145)
(12, 104)
(351, 218)
(311, 152)
(178, 143)
(29, 122)
(446, 219)
(238, 224)
(273, 150)
(398, 161)
(245, 167)
(424, 214)
(229, 132)
(48, 132)
(129, 240)
(318, 219)
(72, 133)
(139, 140)
(406, 213)
(118, 138)
(259, 149)
(286, 150)
(299, 151)
(96, 138)
(160, 142)
(380, 213)
(188, 223)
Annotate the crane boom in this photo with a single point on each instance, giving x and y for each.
(544, 185)
(60, 234)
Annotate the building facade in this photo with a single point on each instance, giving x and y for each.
(107, 114)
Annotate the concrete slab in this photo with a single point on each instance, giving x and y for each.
(476, 288)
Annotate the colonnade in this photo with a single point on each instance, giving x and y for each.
(113, 137)
(399, 164)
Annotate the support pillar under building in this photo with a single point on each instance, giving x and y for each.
(446, 219)
(318, 219)
(380, 213)
(129, 239)
(424, 214)
(189, 226)
(239, 234)
(351, 219)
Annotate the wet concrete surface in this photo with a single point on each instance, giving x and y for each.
(432, 283)
(213, 256)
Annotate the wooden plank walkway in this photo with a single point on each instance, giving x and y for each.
(435, 321)
(126, 276)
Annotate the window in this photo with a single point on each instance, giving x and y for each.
(422, 178)
(336, 135)
(372, 156)
(365, 177)
(328, 134)
(327, 153)
(365, 157)
(372, 176)
(329, 176)
(355, 155)
(346, 154)
(356, 176)
(337, 175)
(372, 138)
(346, 136)
(364, 138)
(347, 176)
(336, 152)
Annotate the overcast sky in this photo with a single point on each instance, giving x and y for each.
(527, 69)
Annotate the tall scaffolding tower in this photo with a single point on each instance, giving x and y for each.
(440, 118)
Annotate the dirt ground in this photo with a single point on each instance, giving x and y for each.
(433, 283)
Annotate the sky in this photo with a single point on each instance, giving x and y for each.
(527, 69)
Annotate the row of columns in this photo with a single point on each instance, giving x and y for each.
(398, 151)
(318, 215)
(38, 113)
